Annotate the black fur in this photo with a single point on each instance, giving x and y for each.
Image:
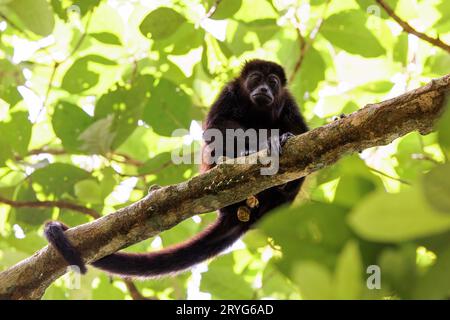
(233, 109)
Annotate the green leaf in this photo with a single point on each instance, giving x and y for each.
(62, 8)
(108, 182)
(32, 241)
(401, 49)
(443, 127)
(185, 38)
(58, 178)
(161, 23)
(165, 171)
(398, 217)
(126, 106)
(407, 167)
(438, 64)
(106, 37)
(36, 15)
(26, 217)
(315, 231)
(14, 136)
(369, 6)
(347, 30)
(351, 189)
(436, 187)
(251, 10)
(80, 77)
(378, 86)
(443, 24)
(314, 280)
(156, 163)
(310, 74)
(169, 108)
(399, 269)
(348, 274)
(99, 136)
(223, 282)
(106, 290)
(69, 121)
(11, 77)
(435, 284)
(225, 9)
(88, 191)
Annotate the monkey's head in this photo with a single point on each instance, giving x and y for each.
(263, 81)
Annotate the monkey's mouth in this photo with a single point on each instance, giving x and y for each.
(262, 98)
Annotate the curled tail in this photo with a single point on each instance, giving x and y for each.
(54, 232)
(216, 238)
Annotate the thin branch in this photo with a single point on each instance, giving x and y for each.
(384, 174)
(212, 10)
(424, 156)
(374, 125)
(13, 25)
(83, 36)
(46, 150)
(409, 29)
(49, 87)
(50, 204)
(56, 64)
(134, 292)
(305, 44)
(127, 159)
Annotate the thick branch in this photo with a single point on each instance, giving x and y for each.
(409, 29)
(374, 125)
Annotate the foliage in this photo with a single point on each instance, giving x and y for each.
(91, 91)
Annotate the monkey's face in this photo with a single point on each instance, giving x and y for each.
(262, 88)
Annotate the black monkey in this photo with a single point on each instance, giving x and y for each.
(257, 99)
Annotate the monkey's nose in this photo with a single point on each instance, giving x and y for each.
(263, 90)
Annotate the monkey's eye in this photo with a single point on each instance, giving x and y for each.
(273, 81)
(255, 77)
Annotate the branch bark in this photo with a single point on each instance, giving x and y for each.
(374, 125)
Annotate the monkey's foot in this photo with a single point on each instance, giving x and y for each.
(243, 213)
(252, 202)
(153, 187)
(285, 137)
(341, 116)
(274, 145)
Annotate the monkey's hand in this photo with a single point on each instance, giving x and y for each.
(274, 145)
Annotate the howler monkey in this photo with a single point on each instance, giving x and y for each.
(257, 99)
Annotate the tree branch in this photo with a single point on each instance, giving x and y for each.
(51, 204)
(374, 125)
(409, 29)
(305, 44)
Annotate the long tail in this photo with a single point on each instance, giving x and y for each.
(216, 238)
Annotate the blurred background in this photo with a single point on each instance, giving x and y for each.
(91, 92)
